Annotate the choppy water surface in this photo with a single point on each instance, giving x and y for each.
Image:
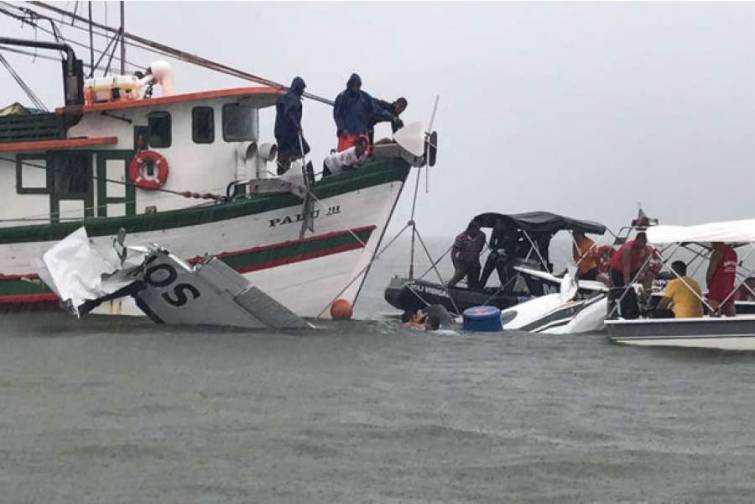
(124, 412)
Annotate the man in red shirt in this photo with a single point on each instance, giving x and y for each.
(626, 262)
(624, 267)
(721, 275)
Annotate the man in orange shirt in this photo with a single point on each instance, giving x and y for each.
(585, 256)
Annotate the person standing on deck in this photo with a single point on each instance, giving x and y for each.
(288, 131)
(395, 109)
(465, 255)
(626, 263)
(503, 243)
(585, 256)
(624, 267)
(682, 294)
(353, 111)
(720, 277)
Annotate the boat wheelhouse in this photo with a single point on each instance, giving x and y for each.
(532, 272)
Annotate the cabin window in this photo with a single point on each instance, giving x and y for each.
(31, 174)
(203, 125)
(71, 173)
(238, 122)
(159, 129)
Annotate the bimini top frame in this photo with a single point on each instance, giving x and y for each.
(697, 239)
(731, 232)
(536, 223)
(537, 229)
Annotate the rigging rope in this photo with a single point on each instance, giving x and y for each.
(33, 97)
(112, 53)
(179, 54)
(30, 17)
(102, 56)
(361, 271)
(185, 194)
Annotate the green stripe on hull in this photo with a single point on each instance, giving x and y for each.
(22, 287)
(374, 173)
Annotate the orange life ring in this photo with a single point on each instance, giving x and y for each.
(137, 170)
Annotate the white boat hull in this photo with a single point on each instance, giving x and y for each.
(303, 275)
(740, 343)
(719, 333)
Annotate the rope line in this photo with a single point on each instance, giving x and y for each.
(186, 194)
(20, 81)
(437, 272)
(371, 261)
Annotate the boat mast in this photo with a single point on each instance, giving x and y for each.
(91, 42)
(123, 39)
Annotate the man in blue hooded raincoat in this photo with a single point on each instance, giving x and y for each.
(288, 114)
(353, 111)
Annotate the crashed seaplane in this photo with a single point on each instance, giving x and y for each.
(163, 286)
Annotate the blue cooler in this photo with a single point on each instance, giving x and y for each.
(482, 319)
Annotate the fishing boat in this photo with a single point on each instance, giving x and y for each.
(531, 270)
(190, 171)
(709, 331)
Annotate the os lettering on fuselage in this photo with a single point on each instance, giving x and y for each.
(164, 275)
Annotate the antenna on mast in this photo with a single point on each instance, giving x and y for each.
(91, 42)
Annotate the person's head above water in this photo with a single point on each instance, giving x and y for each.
(432, 322)
(297, 86)
(354, 83)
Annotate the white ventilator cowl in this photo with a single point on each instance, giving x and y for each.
(412, 138)
(163, 74)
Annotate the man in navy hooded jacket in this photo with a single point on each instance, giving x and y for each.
(288, 114)
(353, 111)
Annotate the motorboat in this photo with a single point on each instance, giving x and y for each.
(531, 273)
(710, 331)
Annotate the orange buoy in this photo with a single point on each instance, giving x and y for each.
(341, 310)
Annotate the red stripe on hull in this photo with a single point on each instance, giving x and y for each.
(266, 248)
(300, 257)
(52, 298)
(45, 297)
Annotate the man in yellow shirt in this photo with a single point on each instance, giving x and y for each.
(682, 293)
(585, 256)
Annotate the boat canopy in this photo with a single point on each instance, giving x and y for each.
(541, 222)
(728, 232)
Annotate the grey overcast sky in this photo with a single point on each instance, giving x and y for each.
(584, 109)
